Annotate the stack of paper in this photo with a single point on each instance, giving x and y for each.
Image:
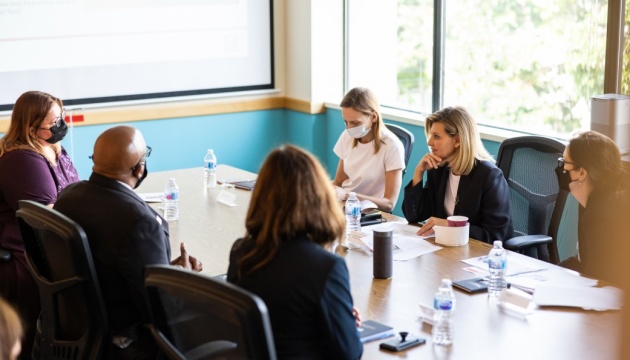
(529, 282)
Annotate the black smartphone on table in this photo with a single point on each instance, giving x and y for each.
(397, 345)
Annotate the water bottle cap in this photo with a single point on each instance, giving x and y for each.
(352, 193)
(498, 243)
(447, 282)
(171, 180)
(210, 151)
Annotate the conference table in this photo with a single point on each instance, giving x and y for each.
(481, 328)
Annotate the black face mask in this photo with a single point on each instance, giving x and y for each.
(564, 179)
(59, 131)
(144, 174)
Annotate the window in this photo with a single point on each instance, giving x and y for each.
(390, 47)
(625, 76)
(527, 65)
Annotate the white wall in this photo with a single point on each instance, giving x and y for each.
(313, 50)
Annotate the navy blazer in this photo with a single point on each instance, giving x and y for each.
(307, 292)
(483, 196)
(125, 235)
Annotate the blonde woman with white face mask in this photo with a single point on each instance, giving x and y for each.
(371, 158)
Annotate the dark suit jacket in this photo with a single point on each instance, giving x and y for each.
(483, 198)
(125, 235)
(307, 292)
(604, 236)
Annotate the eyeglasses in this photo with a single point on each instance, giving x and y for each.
(562, 162)
(56, 120)
(146, 155)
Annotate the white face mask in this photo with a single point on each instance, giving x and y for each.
(358, 132)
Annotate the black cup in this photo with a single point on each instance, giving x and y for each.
(383, 253)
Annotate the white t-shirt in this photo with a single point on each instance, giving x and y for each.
(366, 170)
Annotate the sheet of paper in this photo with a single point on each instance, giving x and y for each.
(515, 265)
(399, 228)
(367, 205)
(414, 247)
(590, 298)
(407, 245)
(152, 197)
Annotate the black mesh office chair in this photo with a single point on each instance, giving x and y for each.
(197, 317)
(536, 202)
(73, 321)
(407, 139)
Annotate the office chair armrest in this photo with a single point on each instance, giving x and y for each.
(211, 349)
(5, 255)
(526, 241)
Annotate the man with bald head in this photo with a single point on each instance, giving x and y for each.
(125, 235)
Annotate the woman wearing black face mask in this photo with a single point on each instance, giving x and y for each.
(33, 166)
(591, 169)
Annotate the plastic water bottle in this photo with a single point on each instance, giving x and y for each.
(497, 266)
(353, 214)
(210, 169)
(171, 197)
(444, 307)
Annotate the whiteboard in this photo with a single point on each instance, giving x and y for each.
(105, 51)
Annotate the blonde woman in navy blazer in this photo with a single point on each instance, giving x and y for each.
(461, 179)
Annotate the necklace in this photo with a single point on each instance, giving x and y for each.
(453, 182)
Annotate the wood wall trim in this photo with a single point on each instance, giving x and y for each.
(185, 109)
(304, 106)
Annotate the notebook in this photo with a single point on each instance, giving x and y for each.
(371, 330)
(474, 285)
(246, 185)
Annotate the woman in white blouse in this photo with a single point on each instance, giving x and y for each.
(371, 158)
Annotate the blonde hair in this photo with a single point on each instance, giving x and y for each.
(10, 329)
(293, 196)
(29, 112)
(457, 121)
(364, 101)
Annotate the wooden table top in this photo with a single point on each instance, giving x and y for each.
(481, 329)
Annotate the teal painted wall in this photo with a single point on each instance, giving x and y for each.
(308, 132)
(239, 139)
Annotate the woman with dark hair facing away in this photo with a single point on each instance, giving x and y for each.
(285, 258)
(371, 158)
(461, 179)
(10, 332)
(591, 169)
(33, 166)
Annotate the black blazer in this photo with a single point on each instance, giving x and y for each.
(604, 236)
(483, 197)
(125, 235)
(307, 292)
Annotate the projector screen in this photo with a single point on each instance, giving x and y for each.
(105, 51)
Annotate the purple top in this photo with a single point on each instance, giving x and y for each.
(27, 175)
